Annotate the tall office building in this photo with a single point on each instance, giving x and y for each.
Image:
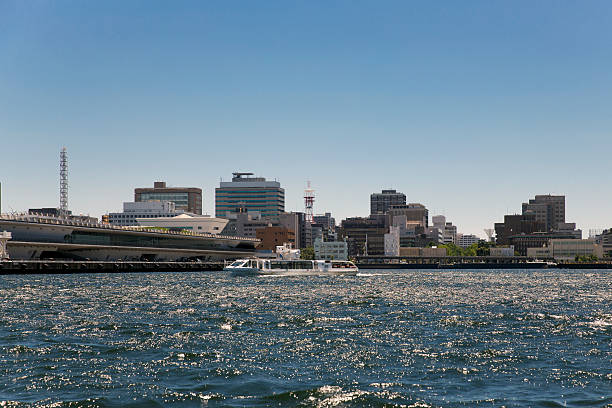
(380, 202)
(187, 199)
(250, 193)
(548, 209)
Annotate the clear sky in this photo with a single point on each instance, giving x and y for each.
(469, 107)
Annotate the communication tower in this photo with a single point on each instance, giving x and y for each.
(63, 180)
(309, 198)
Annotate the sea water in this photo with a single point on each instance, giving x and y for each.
(417, 338)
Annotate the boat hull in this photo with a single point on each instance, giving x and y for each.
(289, 272)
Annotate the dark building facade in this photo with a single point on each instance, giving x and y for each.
(187, 199)
(515, 225)
(325, 220)
(271, 237)
(380, 202)
(364, 236)
(548, 209)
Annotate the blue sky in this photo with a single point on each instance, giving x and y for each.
(467, 107)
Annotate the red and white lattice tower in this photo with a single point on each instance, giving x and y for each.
(309, 198)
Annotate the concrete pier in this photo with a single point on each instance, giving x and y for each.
(12, 267)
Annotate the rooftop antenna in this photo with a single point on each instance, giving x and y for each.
(63, 180)
(309, 198)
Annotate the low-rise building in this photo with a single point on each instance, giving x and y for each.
(502, 251)
(539, 239)
(432, 252)
(566, 249)
(271, 237)
(334, 250)
(142, 209)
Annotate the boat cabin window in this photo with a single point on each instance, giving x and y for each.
(291, 265)
(237, 264)
(343, 264)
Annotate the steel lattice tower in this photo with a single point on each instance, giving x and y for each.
(63, 180)
(309, 198)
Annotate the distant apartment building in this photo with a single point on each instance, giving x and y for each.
(380, 202)
(147, 209)
(252, 193)
(330, 250)
(188, 199)
(548, 209)
(466, 240)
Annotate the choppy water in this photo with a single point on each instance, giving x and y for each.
(411, 338)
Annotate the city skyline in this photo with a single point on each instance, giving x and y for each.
(467, 109)
(322, 211)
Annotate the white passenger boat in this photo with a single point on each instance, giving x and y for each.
(257, 266)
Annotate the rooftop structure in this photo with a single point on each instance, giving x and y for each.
(202, 224)
(145, 209)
